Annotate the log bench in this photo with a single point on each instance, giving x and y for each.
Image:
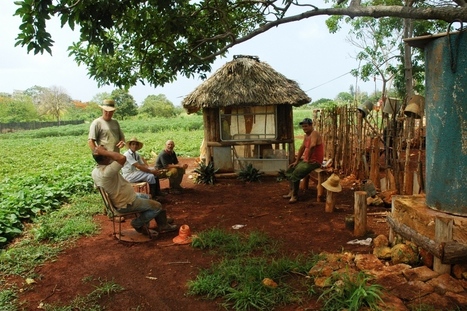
(321, 176)
(142, 187)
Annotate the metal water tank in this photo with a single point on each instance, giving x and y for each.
(446, 120)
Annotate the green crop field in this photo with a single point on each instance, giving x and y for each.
(43, 169)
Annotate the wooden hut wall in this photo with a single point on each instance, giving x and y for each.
(211, 125)
(285, 128)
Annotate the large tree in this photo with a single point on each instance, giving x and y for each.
(53, 101)
(17, 108)
(126, 104)
(124, 42)
(158, 106)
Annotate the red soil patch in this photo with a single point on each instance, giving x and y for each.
(155, 274)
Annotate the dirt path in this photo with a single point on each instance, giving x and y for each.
(155, 274)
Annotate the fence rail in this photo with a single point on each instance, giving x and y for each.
(20, 126)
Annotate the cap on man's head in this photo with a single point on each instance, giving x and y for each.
(108, 105)
(306, 121)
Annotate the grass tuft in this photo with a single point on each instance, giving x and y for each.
(247, 261)
(351, 292)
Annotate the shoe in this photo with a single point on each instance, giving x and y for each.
(288, 195)
(146, 231)
(293, 200)
(167, 228)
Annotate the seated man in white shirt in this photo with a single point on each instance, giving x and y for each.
(136, 169)
(107, 175)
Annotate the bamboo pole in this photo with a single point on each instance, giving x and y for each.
(407, 157)
(374, 168)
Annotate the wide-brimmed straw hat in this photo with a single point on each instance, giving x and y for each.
(333, 183)
(108, 105)
(134, 139)
(184, 235)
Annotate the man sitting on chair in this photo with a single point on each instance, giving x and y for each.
(136, 169)
(107, 175)
(168, 160)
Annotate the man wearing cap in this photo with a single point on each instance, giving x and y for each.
(136, 169)
(105, 131)
(167, 159)
(107, 175)
(310, 157)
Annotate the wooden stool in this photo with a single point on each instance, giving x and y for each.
(142, 187)
(304, 183)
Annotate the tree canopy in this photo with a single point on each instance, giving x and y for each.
(123, 42)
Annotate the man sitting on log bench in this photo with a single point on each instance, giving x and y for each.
(136, 169)
(312, 150)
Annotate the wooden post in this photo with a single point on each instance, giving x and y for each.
(330, 201)
(443, 233)
(391, 179)
(408, 183)
(360, 213)
(319, 186)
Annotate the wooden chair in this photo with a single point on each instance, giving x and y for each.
(126, 235)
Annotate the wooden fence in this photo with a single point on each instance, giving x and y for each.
(365, 146)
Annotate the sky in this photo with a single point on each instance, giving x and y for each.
(303, 51)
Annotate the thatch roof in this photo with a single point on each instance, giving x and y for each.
(245, 81)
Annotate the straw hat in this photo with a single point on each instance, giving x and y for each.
(108, 105)
(333, 183)
(134, 139)
(184, 235)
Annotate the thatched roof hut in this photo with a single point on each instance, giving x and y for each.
(245, 81)
(247, 112)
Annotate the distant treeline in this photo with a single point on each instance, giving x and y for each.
(19, 126)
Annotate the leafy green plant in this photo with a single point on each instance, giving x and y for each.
(351, 292)
(250, 174)
(205, 173)
(45, 240)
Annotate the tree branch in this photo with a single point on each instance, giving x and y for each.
(446, 13)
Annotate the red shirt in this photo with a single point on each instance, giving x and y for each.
(318, 153)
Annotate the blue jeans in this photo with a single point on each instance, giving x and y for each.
(147, 210)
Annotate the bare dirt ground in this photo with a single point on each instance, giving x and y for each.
(155, 274)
